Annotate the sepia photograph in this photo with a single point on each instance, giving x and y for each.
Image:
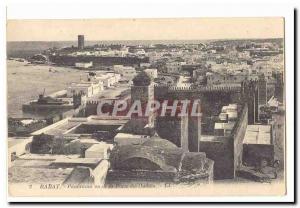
(155, 107)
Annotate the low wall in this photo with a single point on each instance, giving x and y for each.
(238, 134)
(100, 172)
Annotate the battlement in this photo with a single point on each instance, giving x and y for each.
(92, 102)
(207, 89)
(225, 88)
(162, 85)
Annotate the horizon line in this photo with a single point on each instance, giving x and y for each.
(148, 39)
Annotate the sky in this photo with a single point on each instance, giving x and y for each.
(145, 29)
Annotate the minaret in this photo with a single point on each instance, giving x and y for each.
(143, 91)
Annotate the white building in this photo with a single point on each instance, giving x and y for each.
(140, 52)
(231, 111)
(183, 81)
(87, 88)
(151, 72)
(118, 69)
(127, 72)
(145, 65)
(108, 79)
(84, 65)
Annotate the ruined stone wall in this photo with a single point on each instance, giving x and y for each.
(169, 128)
(254, 153)
(184, 139)
(221, 152)
(194, 133)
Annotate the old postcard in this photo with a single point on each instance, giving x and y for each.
(146, 107)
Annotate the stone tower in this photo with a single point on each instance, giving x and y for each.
(80, 42)
(262, 90)
(143, 91)
(250, 96)
(194, 131)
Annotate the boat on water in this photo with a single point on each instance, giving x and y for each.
(47, 100)
(48, 104)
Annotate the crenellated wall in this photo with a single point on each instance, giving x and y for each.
(224, 88)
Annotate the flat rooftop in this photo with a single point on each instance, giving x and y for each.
(12, 141)
(228, 126)
(69, 125)
(112, 93)
(258, 134)
(212, 138)
(36, 171)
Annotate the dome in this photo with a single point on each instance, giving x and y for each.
(158, 142)
(142, 79)
(140, 157)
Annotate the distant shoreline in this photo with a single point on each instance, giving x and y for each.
(181, 40)
(24, 49)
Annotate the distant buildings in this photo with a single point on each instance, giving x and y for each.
(183, 81)
(144, 65)
(173, 67)
(83, 65)
(100, 55)
(127, 72)
(218, 79)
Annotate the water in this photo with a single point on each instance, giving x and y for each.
(25, 82)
